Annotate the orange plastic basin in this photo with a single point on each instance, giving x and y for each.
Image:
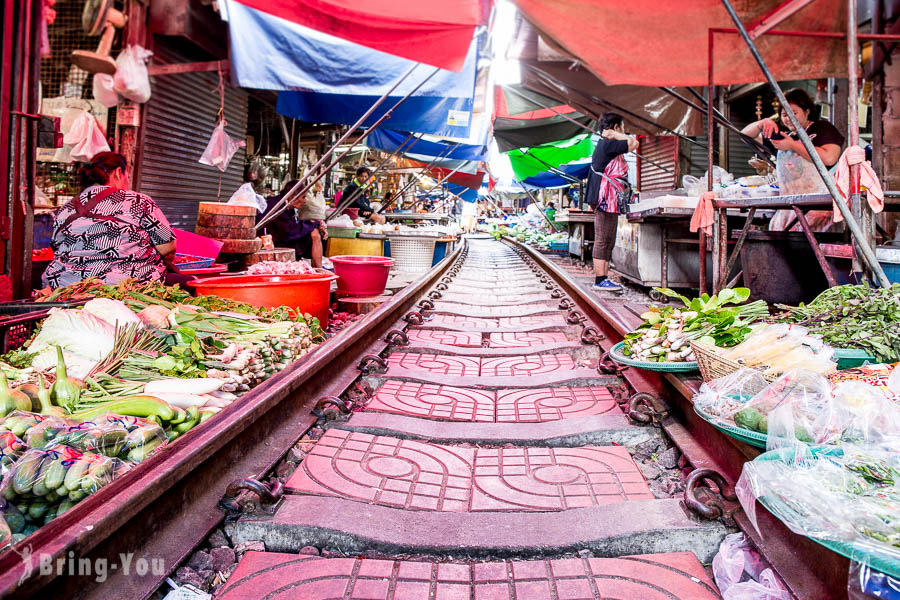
(305, 293)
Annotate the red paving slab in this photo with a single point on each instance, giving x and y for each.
(448, 403)
(556, 320)
(526, 366)
(495, 311)
(275, 576)
(448, 338)
(494, 299)
(553, 404)
(461, 321)
(435, 363)
(433, 401)
(523, 340)
(435, 477)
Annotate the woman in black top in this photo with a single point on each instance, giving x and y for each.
(793, 167)
(608, 171)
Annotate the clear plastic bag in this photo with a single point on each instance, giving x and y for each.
(727, 395)
(131, 78)
(86, 137)
(247, 196)
(11, 448)
(776, 349)
(19, 422)
(105, 91)
(47, 432)
(220, 148)
(46, 482)
(864, 583)
(130, 439)
(741, 574)
(867, 416)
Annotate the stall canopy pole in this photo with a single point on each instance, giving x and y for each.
(540, 206)
(860, 209)
(551, 168)
(345, 202)
(441, 181)
(289, 197)
(756, 146)
(414, 179)
(858, 234)
(585, 127)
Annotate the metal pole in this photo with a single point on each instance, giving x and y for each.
(413, 180)
(861, 239)
(345, 202)
(756, 146)
(442, 180)
(860, 211)
(539, 205)
(585, 127)
(289, 197)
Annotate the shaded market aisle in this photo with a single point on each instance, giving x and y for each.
(491, 461)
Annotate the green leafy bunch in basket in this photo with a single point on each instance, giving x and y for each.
(720, 320)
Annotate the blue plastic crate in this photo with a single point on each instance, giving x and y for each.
(889, 258)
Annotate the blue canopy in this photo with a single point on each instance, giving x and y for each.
(467, 194)
(549, 179)
(389, 140)
(308, 66)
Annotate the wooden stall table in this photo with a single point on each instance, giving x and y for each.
(578, 224)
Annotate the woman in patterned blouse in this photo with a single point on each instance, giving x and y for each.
(109, 231)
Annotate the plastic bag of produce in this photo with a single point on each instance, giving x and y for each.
(45, 482)
(131, 78)
(14, 522)
(19, 422)
(47, 432)
(220, 149)
(131, 439)
(727, 395)
(104, 90)
(776, 349)
(867, 416)
(11, 448)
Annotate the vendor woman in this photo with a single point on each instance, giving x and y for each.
(358, 190)
(795, 171)
(109, 231)
(301, 227)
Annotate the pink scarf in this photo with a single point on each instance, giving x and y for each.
(616, 169)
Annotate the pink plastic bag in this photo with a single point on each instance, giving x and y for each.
(131, 79)
(86, 137)
(104, 90)
(740, 573)
(220, 149)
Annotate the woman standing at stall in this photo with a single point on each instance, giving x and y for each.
(608, 177)
(109, 231)
(795, 170)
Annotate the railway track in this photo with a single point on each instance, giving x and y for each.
(461, 443)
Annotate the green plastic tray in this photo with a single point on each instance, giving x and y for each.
(748, 436)
(343, 232)
(615, 353)
(848, 358)
(853, 552)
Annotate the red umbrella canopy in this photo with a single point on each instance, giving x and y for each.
(435, 32)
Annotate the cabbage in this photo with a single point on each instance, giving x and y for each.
(76, 366)
(78, 332)
(112, 311)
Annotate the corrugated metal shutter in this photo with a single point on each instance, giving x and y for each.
(178, 121)
(661, 149)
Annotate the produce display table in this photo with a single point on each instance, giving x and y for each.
(580, 226)
(642, 251)
(437, 217)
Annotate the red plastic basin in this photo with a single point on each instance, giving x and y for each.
(362, 275)
(305, 293)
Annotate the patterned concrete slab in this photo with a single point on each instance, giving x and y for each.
(416, 475)
(434, 401)
(495, 299)
(520, 324)
(523, 340)
(526, 366)
(440, 364)
(276, 576)
(575, 377)
(447, 338)
(467, 310)
(506, 406)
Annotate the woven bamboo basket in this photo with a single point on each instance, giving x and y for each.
(713, 365)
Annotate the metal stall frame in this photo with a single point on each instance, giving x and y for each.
(764, 26)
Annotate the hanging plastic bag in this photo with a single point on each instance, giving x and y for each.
(247, 196)
(86, 138)
(105, 91)
(131, 78)
(220, 149)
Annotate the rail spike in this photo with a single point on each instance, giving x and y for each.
(591, 336)
(365, 365)
(322, 405)
(434, 295)
(712, 507)
(441, 286)
(566, 304)
(426, 304)
(556, 293)
(608, 366)
(575, 317)
(414, 317)
(396, 337)
(641, 409)
(269, 495)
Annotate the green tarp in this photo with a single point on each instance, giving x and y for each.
(540, 159)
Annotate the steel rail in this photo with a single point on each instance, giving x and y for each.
(808, 569)
(168, 505)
